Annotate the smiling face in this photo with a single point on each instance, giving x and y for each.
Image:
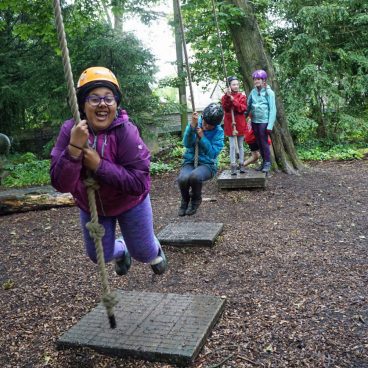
(100, 117)
(258, 82)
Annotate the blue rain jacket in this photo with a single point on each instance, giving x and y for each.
(262, 106)
(209, 146)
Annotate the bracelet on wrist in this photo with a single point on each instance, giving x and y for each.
(75, 146)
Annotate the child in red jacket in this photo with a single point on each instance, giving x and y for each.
(235, 105)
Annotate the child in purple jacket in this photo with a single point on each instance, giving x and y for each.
(119, 162)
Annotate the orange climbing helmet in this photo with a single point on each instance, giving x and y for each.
(94, 77)
(97, 73)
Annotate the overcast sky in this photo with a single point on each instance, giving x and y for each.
(159, 38)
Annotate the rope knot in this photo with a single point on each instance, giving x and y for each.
(96, 230)
(91, 183)
(109, 300)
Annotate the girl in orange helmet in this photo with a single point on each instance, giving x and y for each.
(108, 145)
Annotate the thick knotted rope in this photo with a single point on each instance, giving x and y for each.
(95, 229)
(196, 148)
(234, 132)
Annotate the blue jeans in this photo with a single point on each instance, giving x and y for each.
(136, 226)
(192, 178)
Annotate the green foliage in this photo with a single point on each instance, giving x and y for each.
(26, 170)
(224, 156)
(322, 61)
(203, 37)
(177, 152)
(301, 127)
(322, 152)
(32, 84)
(351, 128)
(159, 167)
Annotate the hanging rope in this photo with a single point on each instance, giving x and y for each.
(233, 123)
(189, 75)
(96, 230)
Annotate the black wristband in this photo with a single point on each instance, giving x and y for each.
(73, 145)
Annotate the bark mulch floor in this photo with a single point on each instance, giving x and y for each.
(292, 261)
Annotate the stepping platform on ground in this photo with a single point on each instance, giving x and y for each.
(250, 179)
(190, 234)
(151, 326)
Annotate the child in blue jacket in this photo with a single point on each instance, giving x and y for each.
(262, 107)
(205, 130)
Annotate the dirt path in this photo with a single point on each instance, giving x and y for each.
(292, 261)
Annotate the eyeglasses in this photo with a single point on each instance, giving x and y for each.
(95, 100)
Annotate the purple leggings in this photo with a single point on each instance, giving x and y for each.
(136, 226)
(260, 131)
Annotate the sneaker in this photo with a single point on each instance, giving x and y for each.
(266, 167)
(183, 207)
(242, 169)
(233, 169)
(159, 264)
(193, 206)
(122, 265)
(260, 168)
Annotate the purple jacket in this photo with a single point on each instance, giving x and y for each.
(123, 175)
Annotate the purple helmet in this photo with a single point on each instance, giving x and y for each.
(259, 74)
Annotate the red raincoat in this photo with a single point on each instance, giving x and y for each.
(239, 105)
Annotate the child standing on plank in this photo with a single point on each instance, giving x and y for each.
(108, 145)
(235, 105)
(262, 107)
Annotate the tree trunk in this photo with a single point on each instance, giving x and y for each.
(318, 110)
(118, 12)
(118, 21)
(107, 12)
(33, 199)
(252, 55)
(180, 66)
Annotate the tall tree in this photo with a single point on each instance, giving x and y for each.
(251, 55)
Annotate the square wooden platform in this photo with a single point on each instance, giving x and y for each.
(190, 234)
(151, 326)
(250, 179)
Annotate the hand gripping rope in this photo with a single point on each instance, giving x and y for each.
(96, 230)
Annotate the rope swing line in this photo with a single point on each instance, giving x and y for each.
(96, 230)
(189, 74)
(234, 132)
